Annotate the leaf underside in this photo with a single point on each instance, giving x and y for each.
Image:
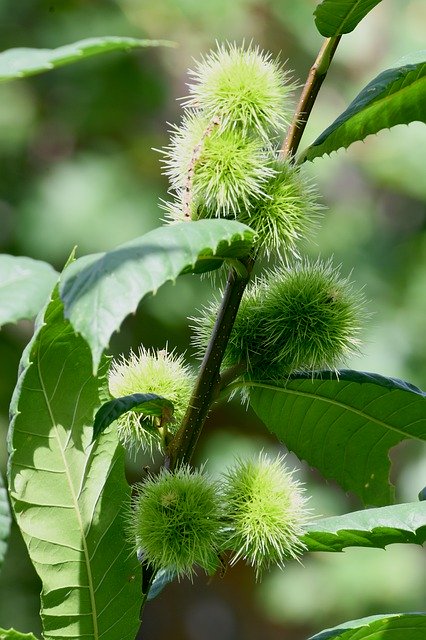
(396, 96)
(399, 523)
(161, 580)
(24, 287)
(69, 496)
(5, 521)
(147, 404)
(100, 290)
(393, 626)
(344, 424)
(335, 17)
(19, 63)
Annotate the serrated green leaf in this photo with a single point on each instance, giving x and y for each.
(19, 63)
(100, 290)
(399, 523)
(148, 404)
(70, 497)
(396, 96)
(344, 424)
(11, 634)
(392, 626)
(5, 521)
(335, 17)
(24, 287)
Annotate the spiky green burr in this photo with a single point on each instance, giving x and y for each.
(176, 522)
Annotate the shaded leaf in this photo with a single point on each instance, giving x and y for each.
(24, 287)
(19, 63)
(70, 497)
(148, 404)
(11, 634)
(396, 96)
(335, 17)
(344, 424)
(399, 523)
(393, 626)
(5, 521)
(100, 290)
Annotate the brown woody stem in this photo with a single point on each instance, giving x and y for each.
(206, 385)
(308, 96)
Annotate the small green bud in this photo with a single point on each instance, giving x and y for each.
(158, 372)
(266, 512)
(244, 88)
(176, 522)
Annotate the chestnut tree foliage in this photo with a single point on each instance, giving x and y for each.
(239, 192)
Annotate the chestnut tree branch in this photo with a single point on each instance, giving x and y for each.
(204, 393)
(308, 96)
(209, 382)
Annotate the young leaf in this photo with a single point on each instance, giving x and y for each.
(5, 521)
(69, 496)
(100, 290)
(148, 404)
(393, 626)
(19, 63)
(11, 634)
(399, 523)
(24, 287)
(335, 17)
(344, 424)
(396, 96)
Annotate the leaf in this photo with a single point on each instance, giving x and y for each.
(19, 63)
(100, 290)
(400, 523)
(148, 404)
(5, 521)
(70, 497)
(24, 287)
(344, 424)
(392, 626)
(161, 580)
(335, 17)
(396, 96)
(11, 634)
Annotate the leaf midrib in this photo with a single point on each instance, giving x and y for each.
(375, 103)
(351, 11)
(347, 407)
(386, 93)
(75, 503)
(349, 15)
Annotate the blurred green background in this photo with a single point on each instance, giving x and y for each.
(77, 167)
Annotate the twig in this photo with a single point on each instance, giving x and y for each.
(183, 445)
(308, 96)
